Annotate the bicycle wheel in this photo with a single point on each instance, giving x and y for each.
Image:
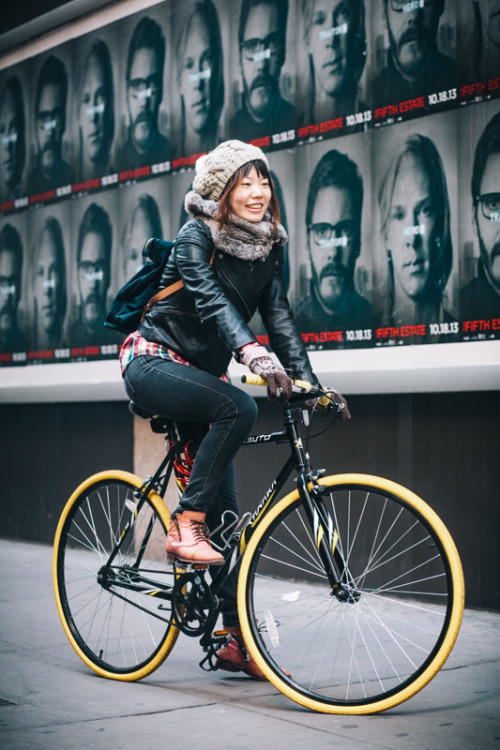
(403, 597)
(117, 618)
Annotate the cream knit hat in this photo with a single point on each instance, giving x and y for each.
(215, 169)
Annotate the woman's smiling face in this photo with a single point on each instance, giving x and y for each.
(250, 198)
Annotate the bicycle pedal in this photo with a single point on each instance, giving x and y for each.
(182, 566)
(185, 567)
(221, 637)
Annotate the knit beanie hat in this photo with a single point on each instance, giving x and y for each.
(215, 169)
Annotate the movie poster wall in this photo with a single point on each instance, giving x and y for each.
(381, 122)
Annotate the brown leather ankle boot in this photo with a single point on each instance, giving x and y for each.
(188, 541)
(236, 658)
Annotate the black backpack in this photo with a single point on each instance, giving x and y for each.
(138, 295)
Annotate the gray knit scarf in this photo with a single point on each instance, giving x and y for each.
(244, 239)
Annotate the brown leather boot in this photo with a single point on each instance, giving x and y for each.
(188, 541)
(236, 658)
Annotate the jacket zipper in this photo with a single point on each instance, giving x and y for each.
(230, 282)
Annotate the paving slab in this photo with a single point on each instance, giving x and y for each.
(49, 699)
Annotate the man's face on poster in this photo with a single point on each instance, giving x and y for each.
(140, 230)
(144, 96)
(490, 17)
(329, 41)
(410, 232)
(196, 70)
(333, 240)
(261, 57)
(11, 136)
(412, 32)
(49, 282)
(10, 290)
(50, 120)
(93, 279)
(488, 219)
(94, 101)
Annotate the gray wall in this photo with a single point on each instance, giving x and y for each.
(442, 446)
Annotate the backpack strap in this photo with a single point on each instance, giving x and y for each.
(166, 292)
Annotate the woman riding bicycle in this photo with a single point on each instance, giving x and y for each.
(230, 260)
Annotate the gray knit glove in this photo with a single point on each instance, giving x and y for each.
(258, 361)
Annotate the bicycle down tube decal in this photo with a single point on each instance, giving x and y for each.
(264, 504)
(259, 511)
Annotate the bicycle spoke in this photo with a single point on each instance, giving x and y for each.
(112, 614)
(362, 647)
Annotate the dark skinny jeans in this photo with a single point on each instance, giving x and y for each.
(214, 414)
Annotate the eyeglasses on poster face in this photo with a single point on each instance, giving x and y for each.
(490, 206)
(142, 88)
(332, 235)
(407, 6)
(256, 49)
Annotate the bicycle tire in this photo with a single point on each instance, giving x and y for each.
(119, 633)
(377, 650)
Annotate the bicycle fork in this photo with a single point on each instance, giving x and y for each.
(325, 534)
(326, 539)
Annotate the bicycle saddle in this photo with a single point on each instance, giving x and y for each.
(159, 424)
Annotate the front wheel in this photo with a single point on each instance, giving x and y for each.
(378, 638)
(116, 613)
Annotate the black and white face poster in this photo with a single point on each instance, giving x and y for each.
(415, 169)
(479, 200)
(333, 257)
(381, 123)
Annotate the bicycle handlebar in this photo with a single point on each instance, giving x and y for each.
(302, 386)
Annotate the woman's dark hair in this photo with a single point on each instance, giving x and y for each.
(224, 214)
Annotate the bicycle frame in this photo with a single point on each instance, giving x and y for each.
(358, 573)
(306, 477)
(324, 534)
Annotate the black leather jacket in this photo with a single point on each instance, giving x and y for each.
(206, 321)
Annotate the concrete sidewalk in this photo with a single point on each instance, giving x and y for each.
(50, 699)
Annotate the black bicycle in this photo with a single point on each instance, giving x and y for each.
(350, 588)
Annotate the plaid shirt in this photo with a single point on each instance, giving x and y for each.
(136, 345)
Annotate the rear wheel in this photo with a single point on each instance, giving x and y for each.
(118, 616)
(381, 636)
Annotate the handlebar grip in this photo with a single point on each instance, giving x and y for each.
(252, 379)
(301, 385)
